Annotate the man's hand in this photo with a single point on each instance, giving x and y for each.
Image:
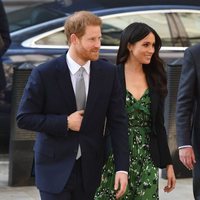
(187, 157)
(75, 120)
(121, 182)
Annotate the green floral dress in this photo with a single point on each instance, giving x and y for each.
(143, 175)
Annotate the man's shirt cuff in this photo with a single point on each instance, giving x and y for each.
(185, 146)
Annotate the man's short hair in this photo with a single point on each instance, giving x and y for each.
(77, 23)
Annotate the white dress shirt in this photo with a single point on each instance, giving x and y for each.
(74, 67)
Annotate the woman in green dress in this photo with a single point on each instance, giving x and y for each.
(143, 80)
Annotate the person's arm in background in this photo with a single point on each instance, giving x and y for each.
(184, 111)
(5, 38)
(4, 30)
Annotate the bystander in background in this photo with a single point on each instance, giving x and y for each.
(4, 44)
(188, 115)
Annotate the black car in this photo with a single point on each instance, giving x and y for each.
(38, 35)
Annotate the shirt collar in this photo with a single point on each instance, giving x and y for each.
(74, 67)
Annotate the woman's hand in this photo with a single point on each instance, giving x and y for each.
(171, 179)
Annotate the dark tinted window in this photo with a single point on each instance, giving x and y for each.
(30, 16)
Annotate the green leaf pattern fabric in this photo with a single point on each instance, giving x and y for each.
(143, 175)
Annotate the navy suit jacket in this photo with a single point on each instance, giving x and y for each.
(188, 101)
(159, 149)
(47, 101)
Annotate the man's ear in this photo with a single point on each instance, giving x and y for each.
(73, 38)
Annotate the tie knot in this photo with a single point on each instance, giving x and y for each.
(80, 71)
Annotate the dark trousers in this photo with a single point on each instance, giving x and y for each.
(73, 190)
(196, 180)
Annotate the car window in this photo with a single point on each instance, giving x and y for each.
(165, 23)
(30, 16)
(191, 23)
(58, 38)
(113, 26)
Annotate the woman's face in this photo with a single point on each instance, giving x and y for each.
(143, 50)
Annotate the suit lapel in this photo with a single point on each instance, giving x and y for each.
(65, 84)
(154, 99)
(94, 84)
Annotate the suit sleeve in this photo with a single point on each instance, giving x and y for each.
(31, 114)
(4, 30)
(118, 127)
(185, 100)
(165, 156)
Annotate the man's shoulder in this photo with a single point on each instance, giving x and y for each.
(104, 63)
(51, 64)
(194, 48)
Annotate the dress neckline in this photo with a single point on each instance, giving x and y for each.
(145, 91)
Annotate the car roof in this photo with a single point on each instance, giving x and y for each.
(53, 23)
(144, 8)
(103, 4)
(62, 6)
(43, 12)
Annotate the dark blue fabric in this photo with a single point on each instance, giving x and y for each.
(188, 109)
(5, 35)
(47, 101)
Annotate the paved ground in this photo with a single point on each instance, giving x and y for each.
(183, 189)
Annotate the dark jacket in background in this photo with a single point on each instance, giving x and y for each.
(188, 110)
(5, 35)
(188, 101)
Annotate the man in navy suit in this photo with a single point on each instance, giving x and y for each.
(188, 115)
(48, 106)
